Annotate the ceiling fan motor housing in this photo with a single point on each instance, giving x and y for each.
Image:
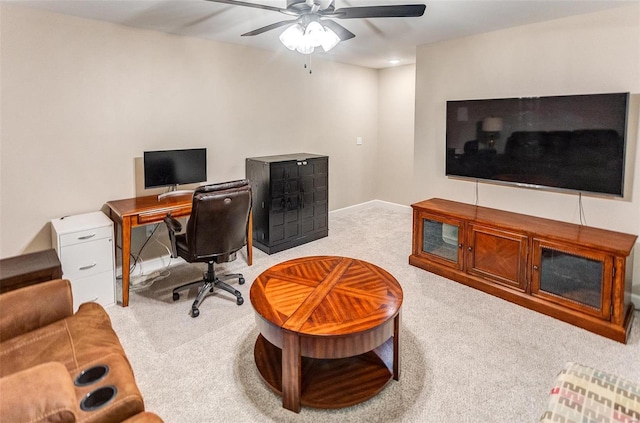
(306, 6)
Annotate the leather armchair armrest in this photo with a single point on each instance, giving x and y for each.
(32, 307)
(172, 223)
(173, 226)
(43, 393)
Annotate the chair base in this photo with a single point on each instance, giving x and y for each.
(210, 281)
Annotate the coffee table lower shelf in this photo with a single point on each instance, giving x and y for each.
(330, 383)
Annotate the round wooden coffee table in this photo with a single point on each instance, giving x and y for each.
(329, 330)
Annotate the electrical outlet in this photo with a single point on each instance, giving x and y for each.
(359, 141)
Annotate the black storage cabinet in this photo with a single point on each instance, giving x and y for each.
(290, 199)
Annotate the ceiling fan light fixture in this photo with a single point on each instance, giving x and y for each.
(293, 36)
(305, 49)
(304, 40)
(314, 33)
(330, 39)
(305, 46)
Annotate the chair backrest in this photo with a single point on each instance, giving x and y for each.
(219, 220)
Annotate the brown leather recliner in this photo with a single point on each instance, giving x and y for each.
(57, 366)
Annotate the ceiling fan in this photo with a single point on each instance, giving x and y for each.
(312, 26)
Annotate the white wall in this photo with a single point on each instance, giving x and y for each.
(593, 53)
(82, 99)
(396, 113)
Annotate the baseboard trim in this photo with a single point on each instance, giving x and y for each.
(367, 204)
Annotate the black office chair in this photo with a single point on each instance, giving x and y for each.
(216, 229)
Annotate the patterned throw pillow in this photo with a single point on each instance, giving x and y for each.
(582, 394)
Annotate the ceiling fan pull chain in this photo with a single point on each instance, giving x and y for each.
(307, 58)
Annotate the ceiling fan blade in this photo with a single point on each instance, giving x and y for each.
(254, 5)
(342, 32)
(399, 11)
(268, 28)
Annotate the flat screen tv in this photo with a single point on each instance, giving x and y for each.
(573, 142)
(170, 168)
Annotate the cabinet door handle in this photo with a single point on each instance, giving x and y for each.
(86, 236)
(470, 249)
(460, 245)
(535, 267)
(87, 267)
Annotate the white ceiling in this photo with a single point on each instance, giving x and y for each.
(376, 41)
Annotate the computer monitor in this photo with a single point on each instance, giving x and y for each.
(170, 168)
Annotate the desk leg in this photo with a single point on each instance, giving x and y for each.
(250, 239)
(291, 371)
(126, 259)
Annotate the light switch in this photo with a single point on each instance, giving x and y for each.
(359, 141)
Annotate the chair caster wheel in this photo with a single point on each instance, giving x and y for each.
(240, 300)
(176, 296)
(241, 281)
(195, 312)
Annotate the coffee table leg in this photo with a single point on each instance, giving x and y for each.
(291, 371)
(396, 347)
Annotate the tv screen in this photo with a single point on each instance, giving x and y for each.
(574, 142)
(174, 167)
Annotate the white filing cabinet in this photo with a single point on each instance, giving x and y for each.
(84, 243)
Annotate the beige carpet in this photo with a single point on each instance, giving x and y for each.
(466, 356)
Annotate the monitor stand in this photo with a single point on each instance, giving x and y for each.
(174, 192)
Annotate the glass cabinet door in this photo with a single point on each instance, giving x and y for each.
(576, 279)
(440, 239)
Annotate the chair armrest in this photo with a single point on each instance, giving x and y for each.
(32, 307)
(172, 223)
(173, 226)
(43, 393)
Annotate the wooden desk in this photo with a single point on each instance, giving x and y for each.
(132, 212)
(329, 330)
(28, 269)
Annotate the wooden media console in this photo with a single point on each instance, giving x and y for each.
(578, 274)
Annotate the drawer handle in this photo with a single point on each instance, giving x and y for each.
(87, 267)
(86, 236)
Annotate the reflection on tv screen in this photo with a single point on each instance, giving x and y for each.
(572, 142)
